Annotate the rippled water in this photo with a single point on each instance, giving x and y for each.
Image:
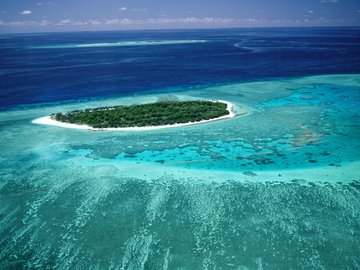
(60, 70)
(278, 188)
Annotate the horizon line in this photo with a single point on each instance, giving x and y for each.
(176, 29)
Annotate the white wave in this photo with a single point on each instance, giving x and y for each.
(119, 44)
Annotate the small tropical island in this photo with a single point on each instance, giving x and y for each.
(161, 114)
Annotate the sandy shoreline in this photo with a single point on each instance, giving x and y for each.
(47, 120)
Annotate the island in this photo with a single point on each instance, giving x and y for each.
(161, 114)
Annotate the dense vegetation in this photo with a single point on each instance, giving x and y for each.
(151, 114)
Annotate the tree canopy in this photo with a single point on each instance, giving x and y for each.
(142, 115)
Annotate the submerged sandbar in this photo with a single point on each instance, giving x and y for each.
(158, 115)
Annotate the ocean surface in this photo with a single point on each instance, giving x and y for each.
(275, 188)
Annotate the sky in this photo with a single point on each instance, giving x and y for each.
(93, 15)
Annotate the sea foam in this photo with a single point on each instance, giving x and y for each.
(119, 44)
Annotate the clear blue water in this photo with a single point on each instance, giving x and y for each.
(277, 188)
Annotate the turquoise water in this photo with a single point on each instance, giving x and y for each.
(277, 188)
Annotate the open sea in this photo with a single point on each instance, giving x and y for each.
(275, 188)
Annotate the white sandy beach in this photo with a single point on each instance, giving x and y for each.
(47, 120)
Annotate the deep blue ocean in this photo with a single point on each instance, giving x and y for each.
(30, 75)
(276, 187)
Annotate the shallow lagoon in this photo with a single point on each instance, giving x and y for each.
(275, 189)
